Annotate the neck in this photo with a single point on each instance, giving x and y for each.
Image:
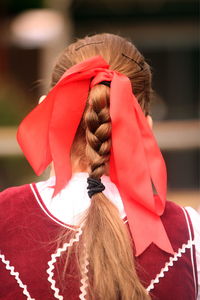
(76, 168)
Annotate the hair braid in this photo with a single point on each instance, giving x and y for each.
(98, 131)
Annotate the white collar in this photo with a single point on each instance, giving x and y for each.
(71, 202)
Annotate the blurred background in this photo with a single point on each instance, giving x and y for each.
(34, 32)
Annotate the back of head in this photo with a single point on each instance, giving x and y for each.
(119, 53)
(105, 239)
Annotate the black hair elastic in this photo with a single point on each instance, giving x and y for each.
(94, 186)
(107, 83)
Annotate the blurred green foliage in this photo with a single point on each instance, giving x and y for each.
(15, 170)
(13, 104)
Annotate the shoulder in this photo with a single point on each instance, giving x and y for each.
(15, 193)
(174, 214)
(13, 198)
(177, 224)
(195, 218)
(172, 208)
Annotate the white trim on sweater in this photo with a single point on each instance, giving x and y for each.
(16, 276)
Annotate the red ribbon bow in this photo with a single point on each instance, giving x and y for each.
(136, 163)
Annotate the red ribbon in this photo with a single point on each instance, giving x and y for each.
(136, 163)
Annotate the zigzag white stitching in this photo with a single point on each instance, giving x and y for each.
(16, 275)
(84, 271)
(170, 263)
(53, 261)
(191, 252)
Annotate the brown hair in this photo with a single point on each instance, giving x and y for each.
(106, 239)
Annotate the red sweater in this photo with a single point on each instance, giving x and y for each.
(28, 239)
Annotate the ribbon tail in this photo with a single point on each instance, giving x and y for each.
(32, 136)
(133, 164)
(146, 228)
(157, 167)
(128, 152)
(65, 120)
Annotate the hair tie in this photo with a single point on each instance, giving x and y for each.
(105, 82)
(94, 186)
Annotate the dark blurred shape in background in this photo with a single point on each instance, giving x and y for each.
(32, 33)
